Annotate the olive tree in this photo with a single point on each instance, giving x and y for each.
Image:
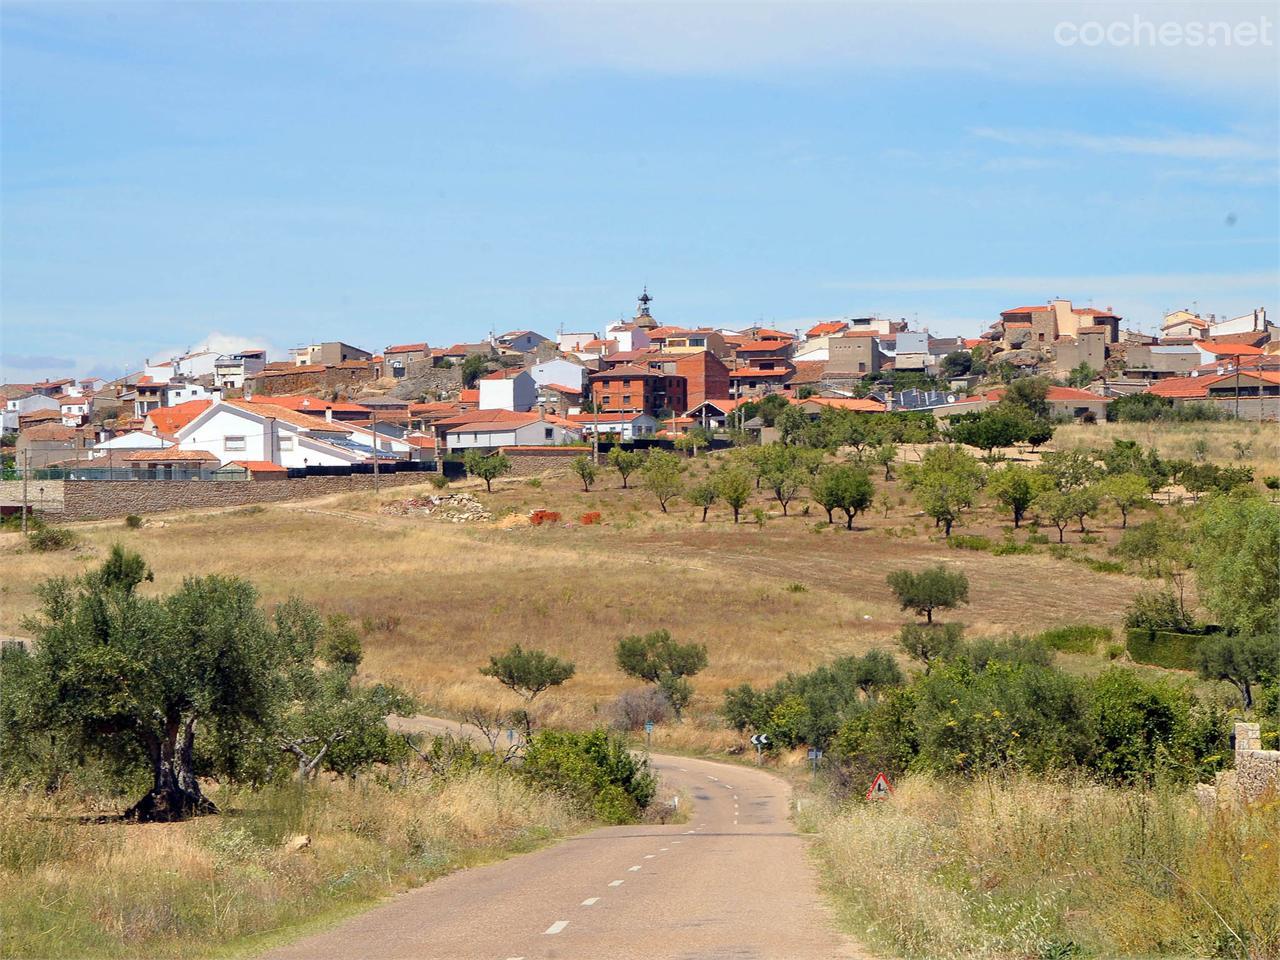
(661, 477)
(626, 462)
(933, 588)
(659, 659)
(487, 468)
(528, 672)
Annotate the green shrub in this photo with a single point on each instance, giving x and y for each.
(1038, 538)
(596, 769)
(133, 521)
(438, 480)
(1101, 566)
(48, 539)
(967, 541)
(1078, 638)
(1060, 551)
(1156, 610)
(1114, 651)
(1163, 648)
(1009, 548)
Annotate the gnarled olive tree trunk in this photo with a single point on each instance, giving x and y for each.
(175, 792)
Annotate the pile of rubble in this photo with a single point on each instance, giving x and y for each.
(451, 507)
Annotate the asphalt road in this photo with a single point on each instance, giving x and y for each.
(733, 882)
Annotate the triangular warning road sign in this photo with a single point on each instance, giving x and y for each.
(880, 788)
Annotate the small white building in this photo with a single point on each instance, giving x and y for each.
(524, 341)
(508, 390)
(23, 406)
(561, 372)
(626, 426)
(133, 440)
(1254, 322)
(231, 369)
(76, 410)
(512, 430)
(574, 342)
(628, 335)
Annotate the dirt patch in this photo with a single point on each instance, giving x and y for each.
(449, 507)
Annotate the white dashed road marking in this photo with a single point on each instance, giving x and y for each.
(615, 883)
(556, 927)
(633, 869)
(590, 901)
(648, 856)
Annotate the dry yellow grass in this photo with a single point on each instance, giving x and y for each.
(440, 598)
(217, 885)
(1178, 440)
(1017, 867)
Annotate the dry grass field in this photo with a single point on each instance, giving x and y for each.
(437, 598)
(1260, 441)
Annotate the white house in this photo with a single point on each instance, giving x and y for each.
(507, 429)
(525, 341)
(1254, 322)
(508, 390)
(22, 406)
(231, 369)
(561, 372)
(76, 410)
(629, 336)
(246, 431)
(627, 426)
(573, 342)
(133, 440)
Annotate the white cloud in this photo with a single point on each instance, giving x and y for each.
(1001, 38)
(1066, 285)
(219, 343)
(1181, 146)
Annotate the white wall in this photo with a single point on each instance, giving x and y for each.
(572, 342)
(518, 393)
(528, 435)
(134, 440)
(263, 440)
(564, 372)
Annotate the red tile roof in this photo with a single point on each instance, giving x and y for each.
(827, 327)
(758, 346)
(260, 466)
(49, 431)
(561, 388)
(1182, 388)
(169, 420)
(1227, 349)
(304, 420)
(858, 404)
(1005, 313)
(753, 373)
(408, 348)
(312, 405)
(469, 396)
(171, 453)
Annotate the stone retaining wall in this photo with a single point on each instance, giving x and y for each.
(51, 501)
(536, 461)
(1256, 773)
(102, 499)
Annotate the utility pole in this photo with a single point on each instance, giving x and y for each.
(374, 422)
(26, 472)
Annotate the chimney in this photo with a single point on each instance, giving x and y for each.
(328, 414)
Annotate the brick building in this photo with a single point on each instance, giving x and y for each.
(634, 389)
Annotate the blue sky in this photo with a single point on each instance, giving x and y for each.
(182, 174)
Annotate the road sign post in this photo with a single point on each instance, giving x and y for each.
(648, 734)
(760, 741)
(880, 788)
(814, 756)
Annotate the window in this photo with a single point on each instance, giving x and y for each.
(627, 399)
(286, 444)
(233, 443)
(548, 434)
(862, 368)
